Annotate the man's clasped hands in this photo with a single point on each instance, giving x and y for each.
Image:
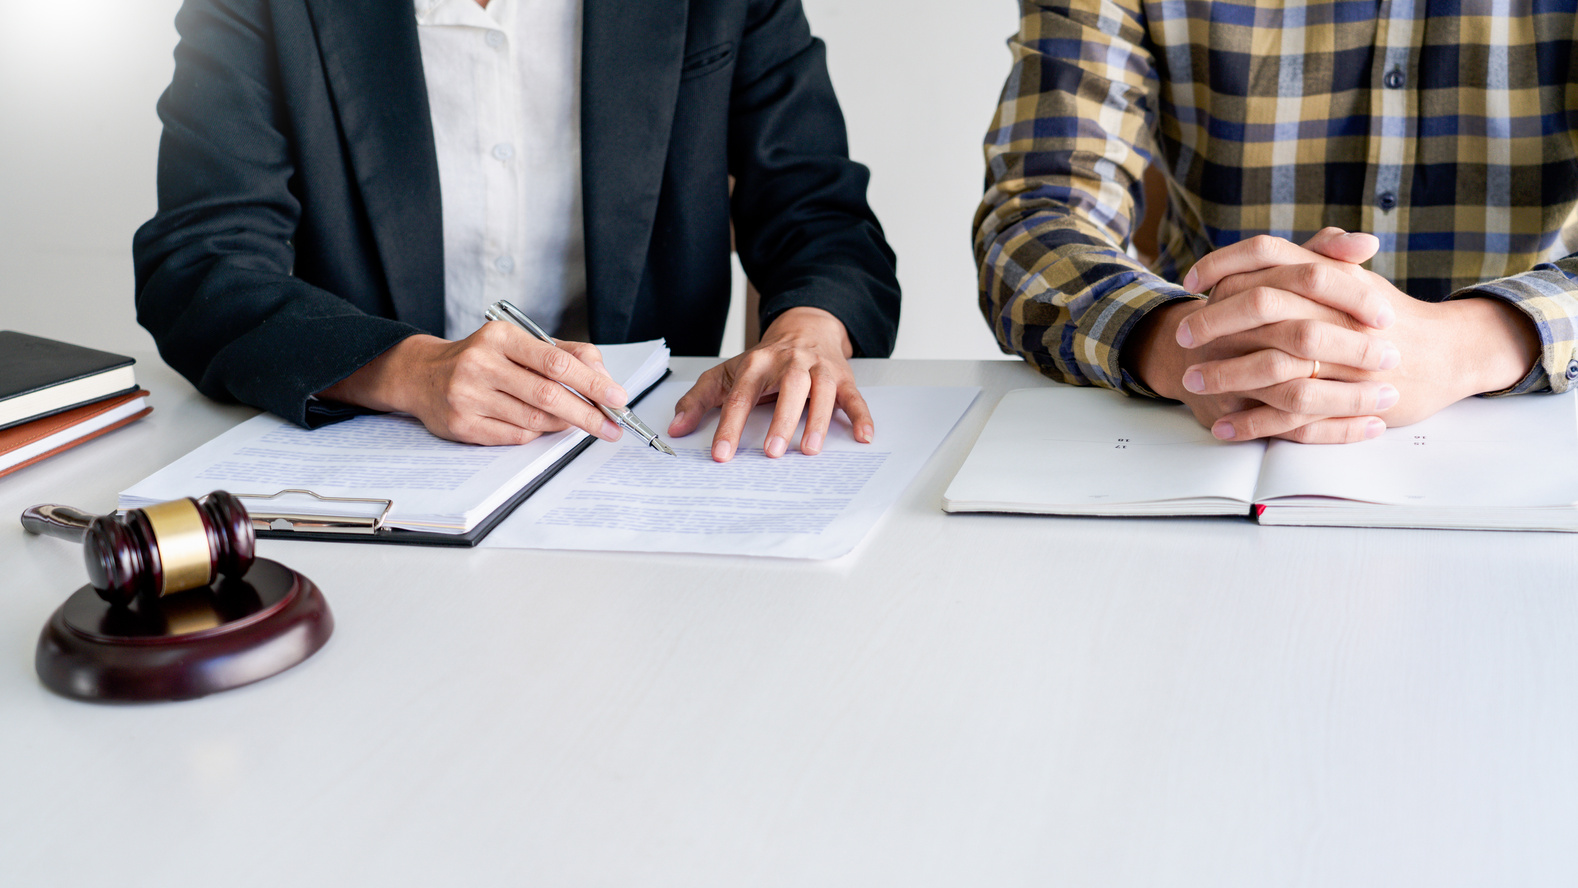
(1301, 342)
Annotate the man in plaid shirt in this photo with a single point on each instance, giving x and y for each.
(1442, 131)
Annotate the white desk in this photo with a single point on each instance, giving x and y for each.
(965, 700)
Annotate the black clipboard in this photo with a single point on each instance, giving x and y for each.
(378, 534)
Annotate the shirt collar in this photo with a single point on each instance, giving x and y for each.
(461, 12)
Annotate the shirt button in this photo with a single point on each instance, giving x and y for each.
(1394, 79)
(504, 151)
(1388, 201)
(1572, 369)
(495, 39)
(504, 264)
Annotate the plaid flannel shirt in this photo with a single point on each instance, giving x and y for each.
(1447, 128)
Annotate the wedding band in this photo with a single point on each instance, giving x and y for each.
(1315, 374)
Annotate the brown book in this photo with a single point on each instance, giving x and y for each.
(27, 443)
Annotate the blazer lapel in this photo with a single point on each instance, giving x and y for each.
(373, 62)
(630, 65)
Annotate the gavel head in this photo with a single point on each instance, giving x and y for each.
(169, 547)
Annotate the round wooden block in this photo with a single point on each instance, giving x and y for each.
(185, 645)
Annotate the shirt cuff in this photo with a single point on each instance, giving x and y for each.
(1551, 313)
(320, 412)
(1162, 298)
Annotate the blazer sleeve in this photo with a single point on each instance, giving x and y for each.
(214, 266)
(804, 232)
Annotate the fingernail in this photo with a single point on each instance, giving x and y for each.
(611, 432)
(1191, 280)
(812, 443)
(1194, 381)
(614, 396)
(864, 433)
(721, 451)
(1385, 317)
(776, 445)
(676, 422)
(1373, 429)
(1386, 397)
(1391, 357)
(1355, 235)
(1224, 431)
(1184, 337)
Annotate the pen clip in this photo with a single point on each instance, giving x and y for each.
(503, 310)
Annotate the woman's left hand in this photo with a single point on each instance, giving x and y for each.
(803, 359)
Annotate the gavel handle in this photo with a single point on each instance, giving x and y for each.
(57, 521)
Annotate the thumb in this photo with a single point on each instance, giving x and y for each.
(1344, 246)
(707, 393)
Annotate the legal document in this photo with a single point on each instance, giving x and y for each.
(434, 485)
(625, 497)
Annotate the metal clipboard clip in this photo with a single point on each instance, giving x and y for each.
(296, 521)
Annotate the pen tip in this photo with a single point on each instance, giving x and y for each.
(663, 448)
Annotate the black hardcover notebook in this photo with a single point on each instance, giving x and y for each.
(40, 377)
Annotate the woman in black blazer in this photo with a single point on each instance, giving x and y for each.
(296, 261)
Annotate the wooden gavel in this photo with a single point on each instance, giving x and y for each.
(157, 550)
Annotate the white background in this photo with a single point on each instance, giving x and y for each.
(78, 138)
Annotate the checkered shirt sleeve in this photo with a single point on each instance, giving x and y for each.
(1445, 132)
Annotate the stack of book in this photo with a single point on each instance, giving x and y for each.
(54, 396)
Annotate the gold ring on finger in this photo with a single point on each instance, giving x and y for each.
(1315, 374)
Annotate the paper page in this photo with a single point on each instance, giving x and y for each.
(1071, 450)
(627, 497)
(435, 484)
(1479, 452)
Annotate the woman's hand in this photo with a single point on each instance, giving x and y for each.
(500, 385)
(803, 359)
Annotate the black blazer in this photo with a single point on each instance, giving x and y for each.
(299, 232)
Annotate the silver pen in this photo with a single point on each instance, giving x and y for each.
(504, 311)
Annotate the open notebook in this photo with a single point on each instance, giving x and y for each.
(1483, 463)
(420, 488)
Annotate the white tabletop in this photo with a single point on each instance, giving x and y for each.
(964, 700)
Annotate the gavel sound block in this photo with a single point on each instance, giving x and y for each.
(177, 606)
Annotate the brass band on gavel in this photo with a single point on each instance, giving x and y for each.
(182, 539)
(159, 549)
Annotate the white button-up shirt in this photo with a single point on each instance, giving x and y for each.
(504, 84)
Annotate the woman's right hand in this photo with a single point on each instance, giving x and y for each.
(500, 385)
